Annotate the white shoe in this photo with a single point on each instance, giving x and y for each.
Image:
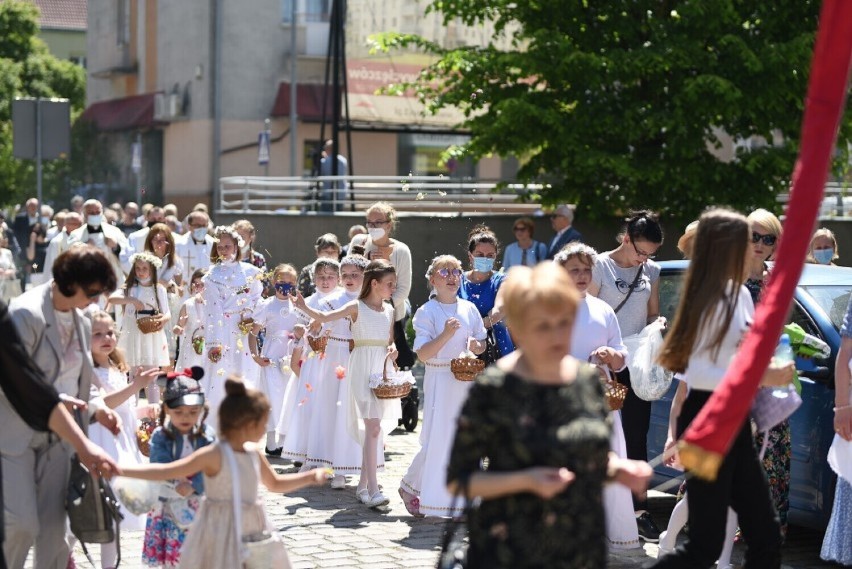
(377, 499)
(338, 482)
(363, 495)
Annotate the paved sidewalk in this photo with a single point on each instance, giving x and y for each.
(329, 528)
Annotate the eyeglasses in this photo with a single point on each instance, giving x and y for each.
(768, 239)
(445, 273)
(520, 228)
(377, 223)
(642, 253)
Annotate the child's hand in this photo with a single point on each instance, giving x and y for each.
(299, 300)
(393, 352)
(547, 481)
(163, 318)
(451, 325)
(320, 476)
(177, 330)
(314, 328)
(137, 304)
(109, 419)
(298, 331)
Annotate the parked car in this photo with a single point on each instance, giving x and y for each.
(819, 307)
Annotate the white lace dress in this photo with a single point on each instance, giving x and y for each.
(196, 313)
(148, 350)
(278, 317)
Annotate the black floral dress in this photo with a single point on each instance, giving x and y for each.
(516, 424)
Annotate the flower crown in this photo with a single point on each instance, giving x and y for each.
(228, 230)
(148, 257)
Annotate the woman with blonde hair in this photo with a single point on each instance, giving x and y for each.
(540, 417)
(823, 247)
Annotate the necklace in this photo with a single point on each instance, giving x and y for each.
(441, 306)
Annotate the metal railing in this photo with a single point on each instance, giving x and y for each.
(837, 202)
(408, 194)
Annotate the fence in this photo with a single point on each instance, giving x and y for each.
(420, 194)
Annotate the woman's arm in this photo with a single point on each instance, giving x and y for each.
(401, 259)
(207, 459)
(91, 455)
(674, 413)
(283, 483)
(654, 302)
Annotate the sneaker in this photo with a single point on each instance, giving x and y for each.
(648, 530)
(338, 482)
(377, 499)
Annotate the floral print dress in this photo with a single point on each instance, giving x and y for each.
(513, 424)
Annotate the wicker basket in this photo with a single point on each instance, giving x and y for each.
(198, 341)
(143, 435)
(318, 343)
(389, 390)
(148, 323)
(615, 392)
(466, 369)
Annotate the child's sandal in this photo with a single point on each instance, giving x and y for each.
(411, 503)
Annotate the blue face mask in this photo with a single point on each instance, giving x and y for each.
(823, 256)
(283, 288)
(483, 264)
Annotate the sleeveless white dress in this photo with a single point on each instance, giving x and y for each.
(371, 332)
(278, 317)
(144, 349)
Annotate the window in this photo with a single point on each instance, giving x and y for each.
(306, 10)
(122, 31)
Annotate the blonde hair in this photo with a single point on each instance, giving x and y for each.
(285, 269)
(441, 260)
(116, 356)
(824, 233)
(387, 210)
(546, 284)
(767, 219)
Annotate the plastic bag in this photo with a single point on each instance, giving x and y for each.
(648, 380)
(138, 496)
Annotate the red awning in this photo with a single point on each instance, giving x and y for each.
(123, 114)
(309, 98)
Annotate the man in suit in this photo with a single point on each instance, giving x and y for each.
(109, 239)
(54, 331)
(561, 220)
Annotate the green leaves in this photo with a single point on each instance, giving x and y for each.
(623, 104)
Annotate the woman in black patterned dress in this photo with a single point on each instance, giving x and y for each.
(533, 440)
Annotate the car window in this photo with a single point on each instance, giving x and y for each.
(670, 286)
(832, 299)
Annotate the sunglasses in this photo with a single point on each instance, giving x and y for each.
(768, 240)
(519, 228)
(445, 273)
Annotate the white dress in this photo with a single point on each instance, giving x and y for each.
(196, 313)
(444, 396)
(300, 399)
(168, 274)
(329, 444)
(371, 332)
(595, 325)
(278, 317)
(149, 350)
(121, 447)
(231, 291)
(10, 287)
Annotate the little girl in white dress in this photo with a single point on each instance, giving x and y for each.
(233, 468)
(190, 329)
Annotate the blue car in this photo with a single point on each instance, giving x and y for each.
(819, 307)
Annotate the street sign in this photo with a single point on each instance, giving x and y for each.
(55, 121)
(263, 148)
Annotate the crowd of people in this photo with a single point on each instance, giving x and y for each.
(230, 348)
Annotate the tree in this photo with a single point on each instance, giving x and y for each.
(620, 103)
(27, 69)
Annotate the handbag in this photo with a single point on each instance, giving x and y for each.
(453, 548)
(93, 511)
(491, 353)
(773, 405)
(256, 551)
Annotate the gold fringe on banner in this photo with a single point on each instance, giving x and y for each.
(700, 462)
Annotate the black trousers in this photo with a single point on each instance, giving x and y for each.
(636, 421)
(741, 484)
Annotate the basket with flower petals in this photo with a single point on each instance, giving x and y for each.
(466, 367)
(143, 435)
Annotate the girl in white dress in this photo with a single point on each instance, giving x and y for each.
(372, 330)
(234, 465)
(190, 329)
(231, 293)
(445, 327)
(277, 315)
(597, 338)
(119, 395)
(161, 243)
(301, 399)
(142, 292)
(329, 444)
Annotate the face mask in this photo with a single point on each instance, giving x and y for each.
(376, 232)
(245, 249)
(199, 234)
(483, 264)
(823, 256)
(45, 221)
(283, 288)
(144, 281)
(95, 220)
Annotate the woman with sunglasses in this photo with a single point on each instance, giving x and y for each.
(627, 279)
(765, 234)
(525, 250)
(445, 328)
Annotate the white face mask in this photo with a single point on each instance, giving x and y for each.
(95, 220)
(145, 281)
(376, 232)
(45, 221)
(199, 234)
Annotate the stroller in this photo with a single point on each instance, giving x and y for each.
(405, 360)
